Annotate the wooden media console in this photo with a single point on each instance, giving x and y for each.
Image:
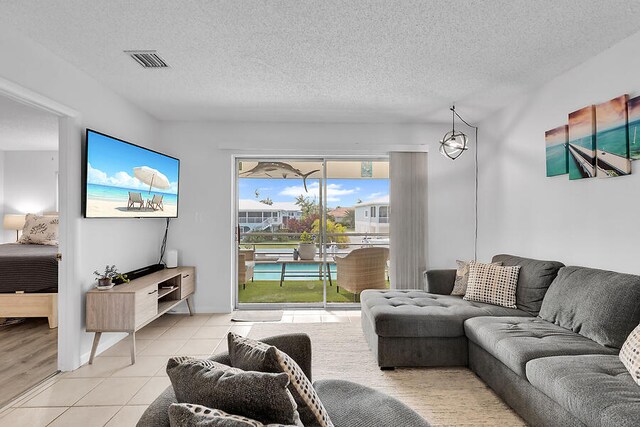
(131, 306)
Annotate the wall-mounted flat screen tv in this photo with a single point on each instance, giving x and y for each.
(124, 180)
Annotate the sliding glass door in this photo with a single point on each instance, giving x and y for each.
(298, 223)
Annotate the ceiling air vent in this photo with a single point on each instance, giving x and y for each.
(147, 58)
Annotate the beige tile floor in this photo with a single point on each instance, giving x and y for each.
(112, 392)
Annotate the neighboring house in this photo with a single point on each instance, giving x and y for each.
(257, 216)
(340, 214)
(372, 216)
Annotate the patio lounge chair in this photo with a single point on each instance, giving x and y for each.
(156, 202)
(362, 269)
(245, 267)
(133, 199)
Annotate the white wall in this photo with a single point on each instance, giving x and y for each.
(29, 183)
(96, 242)
(204, 232)
(588, 222)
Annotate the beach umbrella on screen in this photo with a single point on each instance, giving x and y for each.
(151, 177)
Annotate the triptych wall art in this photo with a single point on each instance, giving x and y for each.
(599, 141)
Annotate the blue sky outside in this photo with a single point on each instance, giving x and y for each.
(111, 163)
(341, 192)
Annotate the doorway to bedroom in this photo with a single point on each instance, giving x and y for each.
(29, 168)
(310, 232)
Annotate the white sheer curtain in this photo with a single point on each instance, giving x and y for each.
(408, 204)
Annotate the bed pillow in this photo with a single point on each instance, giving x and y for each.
(257, 395)
(252, 355)
(40, 230)
(188, 415)
(462, 277)
(492, 284)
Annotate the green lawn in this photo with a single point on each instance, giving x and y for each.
(291, 291)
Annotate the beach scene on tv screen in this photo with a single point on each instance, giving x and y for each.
(124, 180)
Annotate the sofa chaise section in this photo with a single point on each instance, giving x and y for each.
(416, 328)
(426, 328)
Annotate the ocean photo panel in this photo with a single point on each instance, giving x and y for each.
(557, 150)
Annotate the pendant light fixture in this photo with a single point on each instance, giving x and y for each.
(454, 143)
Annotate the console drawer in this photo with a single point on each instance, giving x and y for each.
(187, 282)
(146, 304)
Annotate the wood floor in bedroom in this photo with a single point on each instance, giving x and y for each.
(28, 355)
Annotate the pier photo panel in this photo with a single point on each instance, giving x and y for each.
(612, 139)
(582, 143)
(633, 108)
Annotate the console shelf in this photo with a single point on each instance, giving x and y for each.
(132, 306)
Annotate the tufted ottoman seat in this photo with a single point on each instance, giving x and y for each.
(417, 328)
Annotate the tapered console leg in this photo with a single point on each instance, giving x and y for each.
(94, 348)
(132, 335)
(190, 306)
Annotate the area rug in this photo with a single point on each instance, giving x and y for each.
(257, 316)
(443, 396)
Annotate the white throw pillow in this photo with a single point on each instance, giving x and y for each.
(492, 284)
(630, 354)
(40, 230)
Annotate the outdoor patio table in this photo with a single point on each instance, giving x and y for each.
(307, 273)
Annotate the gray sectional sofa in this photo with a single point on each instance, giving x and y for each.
(554, 359)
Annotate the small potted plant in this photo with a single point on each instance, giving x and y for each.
(105, 280)
(306, 247)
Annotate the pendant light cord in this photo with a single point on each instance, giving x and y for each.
(475, 234)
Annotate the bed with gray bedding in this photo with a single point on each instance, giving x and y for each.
(28, 268)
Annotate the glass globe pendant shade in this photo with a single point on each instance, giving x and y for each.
(453, 144)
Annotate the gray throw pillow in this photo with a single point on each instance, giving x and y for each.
(253, 355)
(257, 395)
(187, 415)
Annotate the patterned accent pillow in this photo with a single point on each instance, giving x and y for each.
(40, 230)
(188, 415)
(630, 354)
(257, 395)
(462, 277)
(252, 355)
(492, 284)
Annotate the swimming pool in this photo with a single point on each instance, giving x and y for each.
(273, 271)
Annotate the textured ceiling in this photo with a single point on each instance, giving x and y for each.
(26, 128)
(331, 60)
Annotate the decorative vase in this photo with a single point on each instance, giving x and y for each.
(307, 251)
(104, 284)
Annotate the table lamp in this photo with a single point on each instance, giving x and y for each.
(14, 222)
